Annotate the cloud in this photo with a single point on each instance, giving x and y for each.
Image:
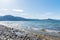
(11, 10)
(46, 15)
(17, 10)
(4, 10)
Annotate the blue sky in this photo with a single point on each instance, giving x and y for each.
(38, 9)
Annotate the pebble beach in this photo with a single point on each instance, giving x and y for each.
(7, 33)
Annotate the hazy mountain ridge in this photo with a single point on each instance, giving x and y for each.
(14, 18)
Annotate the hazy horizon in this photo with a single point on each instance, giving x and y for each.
(37, 9)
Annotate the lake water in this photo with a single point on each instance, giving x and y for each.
(32, 25)
(35, 26)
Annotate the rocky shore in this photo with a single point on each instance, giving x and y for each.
(15, 34)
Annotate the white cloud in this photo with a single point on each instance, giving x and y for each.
(11, 10)
(4, 10)
(48, 13)
(17, 10)
(44, 15)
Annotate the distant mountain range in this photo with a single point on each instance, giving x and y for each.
(14, 18)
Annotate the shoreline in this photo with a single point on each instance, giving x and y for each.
(47, 30)
(16, 34)
(39, 30)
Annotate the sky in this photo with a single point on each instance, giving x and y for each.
(37, 9)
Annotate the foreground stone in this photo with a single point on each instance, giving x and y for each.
(15, 34)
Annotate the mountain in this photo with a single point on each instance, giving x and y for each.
(11, 18)
(14, 18)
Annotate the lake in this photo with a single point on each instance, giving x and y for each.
(36, 25)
